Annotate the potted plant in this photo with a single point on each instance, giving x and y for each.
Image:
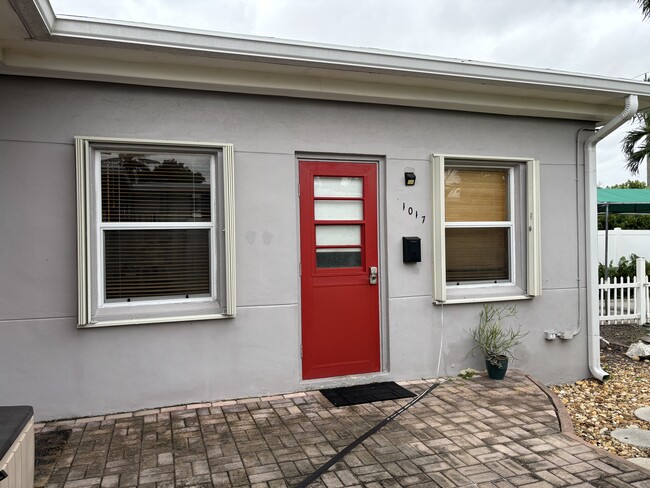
(495, 340)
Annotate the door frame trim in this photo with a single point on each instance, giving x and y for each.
(384, 357)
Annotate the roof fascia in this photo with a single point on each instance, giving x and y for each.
(40, 19)
(78, 66)
(37, 16)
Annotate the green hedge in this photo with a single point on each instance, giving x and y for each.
(626, 267)
(625, 221)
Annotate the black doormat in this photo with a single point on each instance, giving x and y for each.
(47, 451)
(374, 392)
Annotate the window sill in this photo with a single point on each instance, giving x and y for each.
(154, 320)
(483, 299)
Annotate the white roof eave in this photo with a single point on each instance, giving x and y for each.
(312, 54)
(42, 24)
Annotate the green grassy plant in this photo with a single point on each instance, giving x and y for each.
(492, 338)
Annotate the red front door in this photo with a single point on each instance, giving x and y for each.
(339, 266)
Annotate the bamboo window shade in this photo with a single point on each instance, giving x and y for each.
(157, 190)
(475, 253)
(476, 195)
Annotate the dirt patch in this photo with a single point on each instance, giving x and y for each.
(623, 334)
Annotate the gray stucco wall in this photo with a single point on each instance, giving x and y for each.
(47, 362)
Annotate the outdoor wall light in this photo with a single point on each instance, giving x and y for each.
(409, 178)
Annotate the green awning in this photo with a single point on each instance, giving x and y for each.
(624, 201)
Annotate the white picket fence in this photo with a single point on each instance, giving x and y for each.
(625, 299)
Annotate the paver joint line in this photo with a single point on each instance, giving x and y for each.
(341, 454)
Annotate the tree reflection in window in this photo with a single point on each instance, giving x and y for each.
(144, 188)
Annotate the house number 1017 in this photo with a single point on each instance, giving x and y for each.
(410, 211)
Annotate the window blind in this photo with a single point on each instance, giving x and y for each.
(478, 239)
(156, 225)
(172, 263)
(476, 195)
(477, 254)
(137, 188)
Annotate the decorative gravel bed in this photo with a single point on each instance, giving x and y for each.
(598, 408)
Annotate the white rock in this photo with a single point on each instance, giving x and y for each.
(643, 413)
(633, 437)
(638, 349)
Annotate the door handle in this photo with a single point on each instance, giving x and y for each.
(373, 275)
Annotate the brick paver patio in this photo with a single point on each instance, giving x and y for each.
(466, 433)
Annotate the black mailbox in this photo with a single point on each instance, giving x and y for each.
(411, 249)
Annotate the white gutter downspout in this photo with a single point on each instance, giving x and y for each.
(593, 323)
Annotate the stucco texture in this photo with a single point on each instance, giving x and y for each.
(65, 372)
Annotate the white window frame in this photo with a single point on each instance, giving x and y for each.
(93, 310)
(525, 277)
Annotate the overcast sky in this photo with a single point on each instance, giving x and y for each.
(603, 37)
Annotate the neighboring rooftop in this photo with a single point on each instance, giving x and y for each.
(624, 200)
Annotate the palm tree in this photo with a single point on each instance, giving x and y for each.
(645, 8)
(636, 144)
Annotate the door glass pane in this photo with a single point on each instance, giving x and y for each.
(476, 195)
(477, 255)
(338, 258)
(338, 210)
(152, 263)
(338, 235)
(327, 186)
(155, 187)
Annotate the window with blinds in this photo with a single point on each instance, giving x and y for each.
(478, 225)
(156, 226)
(155, 231)
(486, 228)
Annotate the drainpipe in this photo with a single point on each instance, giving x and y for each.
(591, 202)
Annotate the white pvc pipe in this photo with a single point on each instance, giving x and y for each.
(591, 214)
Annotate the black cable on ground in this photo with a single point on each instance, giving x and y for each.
(343, 452)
